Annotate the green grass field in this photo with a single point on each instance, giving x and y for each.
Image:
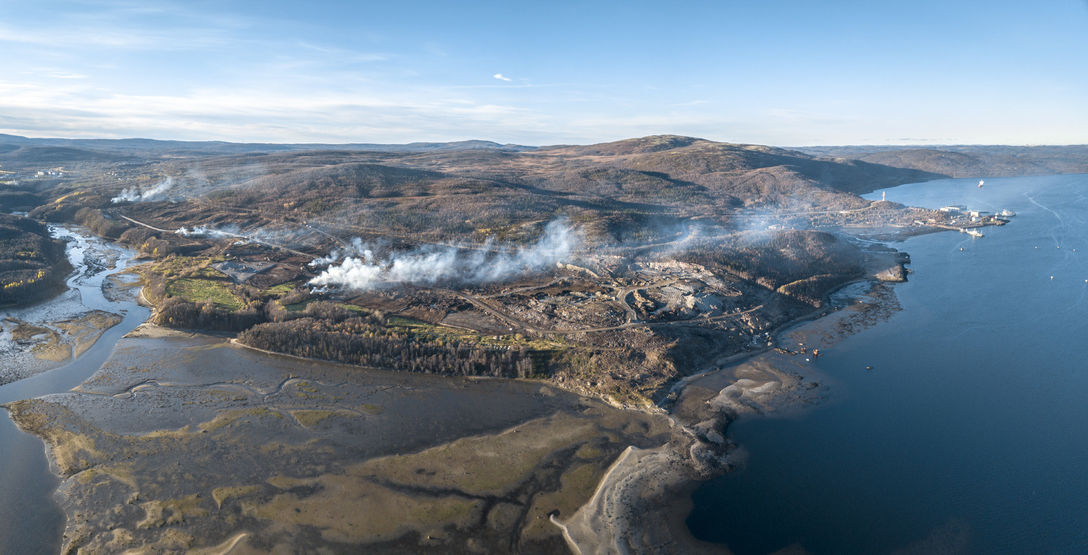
(196, 290)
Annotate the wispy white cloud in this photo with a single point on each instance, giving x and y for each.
(346, 55)
(262, 111)
(64, 75)
(185, 70)
(256, 115)
(54, 73)
(64, 37)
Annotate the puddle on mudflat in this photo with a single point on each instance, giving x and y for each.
(185, 441)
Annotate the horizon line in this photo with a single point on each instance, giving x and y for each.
(828, 145)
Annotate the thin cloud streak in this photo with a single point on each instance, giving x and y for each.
(251, 115)
(65, 37)
(176, 69)
(77, 109)
(349, 56)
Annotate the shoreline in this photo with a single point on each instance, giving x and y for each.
(65, 325)
(644, 498)
(528, 424)
(648, 482)
(826, 309)
(639, 481)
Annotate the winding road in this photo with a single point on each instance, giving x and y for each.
(238, 235)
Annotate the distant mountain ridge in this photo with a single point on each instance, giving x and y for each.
(855, 169)
(56, 154)
(149, 146)
(967, 160)
(664, 172)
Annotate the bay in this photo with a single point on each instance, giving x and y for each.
(970, 433)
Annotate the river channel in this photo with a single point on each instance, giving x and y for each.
(177, 441)
(31, 521)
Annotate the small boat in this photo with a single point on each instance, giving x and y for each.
(980, 182)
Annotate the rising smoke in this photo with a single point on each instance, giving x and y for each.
(136, 194)
(214, 233)
(273, 237)
(432, 264)
(357, 248)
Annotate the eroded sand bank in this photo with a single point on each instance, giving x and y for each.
(45, 335)
(641, 504)
(186, 442)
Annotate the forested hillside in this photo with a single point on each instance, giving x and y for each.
(32, 265)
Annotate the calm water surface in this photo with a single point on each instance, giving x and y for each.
(970, 435)
(31, 522)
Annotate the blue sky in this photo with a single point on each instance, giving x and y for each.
(777, 72)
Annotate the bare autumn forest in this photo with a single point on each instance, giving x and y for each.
(684, 250)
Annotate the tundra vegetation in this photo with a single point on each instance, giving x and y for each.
(690, 249)
(684, 252)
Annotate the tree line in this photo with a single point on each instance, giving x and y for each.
(362, 341)
(32, 265)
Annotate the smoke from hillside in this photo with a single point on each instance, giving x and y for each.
(357, 248)
(267, 236)
(135, 194)
(205, 231)
(432, 264)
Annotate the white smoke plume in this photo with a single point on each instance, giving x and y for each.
(268, 236)
(136, 194)
(432, 264)
(357, 248)
(332, 258)
(205, 231)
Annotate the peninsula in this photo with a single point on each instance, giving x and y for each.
(470, 347)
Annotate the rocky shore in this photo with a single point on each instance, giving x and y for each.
(641, 504)
(620, 484)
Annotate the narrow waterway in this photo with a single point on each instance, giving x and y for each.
(31, 522)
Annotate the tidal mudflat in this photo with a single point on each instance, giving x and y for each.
(48, 334)
(186, 442)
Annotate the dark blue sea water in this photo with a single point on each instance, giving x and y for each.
(970, 435)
